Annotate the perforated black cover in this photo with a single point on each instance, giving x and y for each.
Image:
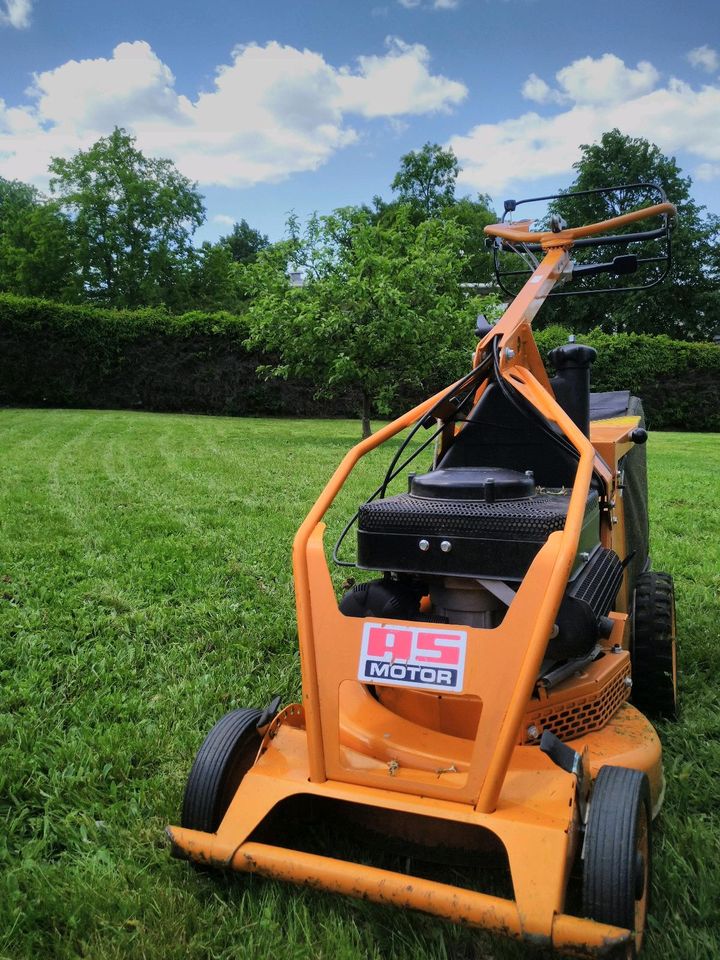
(534, 518)
(496, 540)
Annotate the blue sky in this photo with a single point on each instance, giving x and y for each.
(281, 106)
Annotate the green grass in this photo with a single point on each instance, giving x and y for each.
(145, 590)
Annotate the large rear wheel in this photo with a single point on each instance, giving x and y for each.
(226, 755)
(616, 855)
(653, 650)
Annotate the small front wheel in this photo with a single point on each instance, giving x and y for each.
(616, 864)
(226, 755)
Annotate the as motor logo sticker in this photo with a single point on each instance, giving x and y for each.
(421, 657)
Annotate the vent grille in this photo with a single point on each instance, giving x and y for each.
(572, 718)
(534, 518)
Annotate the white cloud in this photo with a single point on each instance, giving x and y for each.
(605, 80)
(676, 116)
(133, 86)
(602, 80)
(16, 13)
(435, 5)
(398, 83)
(272, 111)
(537, 90)
(224, 220)
(704, 58)
(708, 171)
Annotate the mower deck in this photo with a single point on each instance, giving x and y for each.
(536, 820)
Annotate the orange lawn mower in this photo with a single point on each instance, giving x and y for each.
(484, 697)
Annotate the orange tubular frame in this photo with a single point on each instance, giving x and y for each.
(522, 367)
(343, 745)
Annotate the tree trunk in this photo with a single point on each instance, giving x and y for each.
(366, 431)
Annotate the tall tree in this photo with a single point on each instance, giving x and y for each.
(474, 216)
(426, 179)
(37, 245)
(212, 281)
(133, 217)
(380, 308)
(244, 243)
(686, 304)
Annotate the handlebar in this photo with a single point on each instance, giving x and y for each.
(520, 232)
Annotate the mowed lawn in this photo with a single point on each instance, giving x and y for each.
(145, 590)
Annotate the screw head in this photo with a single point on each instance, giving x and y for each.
(584, 556)
(446, 546)
(509, 353)
(424, 545)
(533, 732)
(628, 681)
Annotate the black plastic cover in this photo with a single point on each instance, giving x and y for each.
(497, 431)
(473, 483)
(589, 598)
(612, 403)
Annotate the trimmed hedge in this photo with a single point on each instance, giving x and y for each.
(60, 355)
(75, 356)
(678, 381)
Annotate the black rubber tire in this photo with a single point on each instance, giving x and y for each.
(222, 761)
(653, 651)
(619, 822)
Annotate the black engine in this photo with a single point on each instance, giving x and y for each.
(465, 534)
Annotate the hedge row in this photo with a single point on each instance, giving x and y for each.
(678, 381)
(59, 355)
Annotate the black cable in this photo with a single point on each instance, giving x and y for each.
(527, 411)
(475, 372)
(381, 489)
(393, 470)
(508, 392)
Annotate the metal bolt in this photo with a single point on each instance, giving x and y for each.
(615, 519)
(617, 648)
(509, 353)
(424, 545)
(584, 556)
(446, 546)
(628, 681)
(533, 732)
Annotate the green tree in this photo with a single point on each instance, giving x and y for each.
(426, 179)
(380, 307)
(244, 242)
(686, 304)
(37, 245)
(211, 282)
(474, 216)
(133, 218)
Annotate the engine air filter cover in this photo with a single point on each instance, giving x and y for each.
(488, 484)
